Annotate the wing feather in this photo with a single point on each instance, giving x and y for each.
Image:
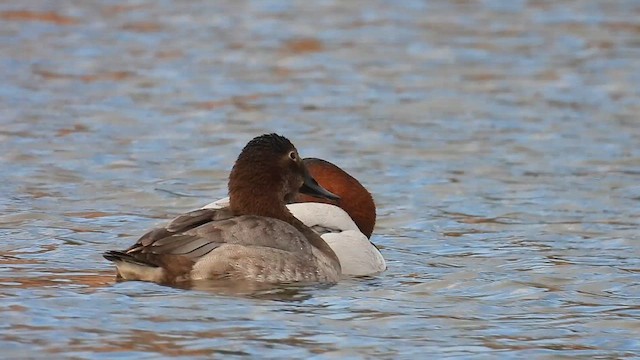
(197, 233)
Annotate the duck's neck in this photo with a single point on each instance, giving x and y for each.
(274, 207)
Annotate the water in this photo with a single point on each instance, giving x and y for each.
(500, 140)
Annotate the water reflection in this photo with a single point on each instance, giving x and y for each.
(500, 140)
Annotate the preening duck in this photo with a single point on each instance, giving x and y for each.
(345, 225)
(255, 238)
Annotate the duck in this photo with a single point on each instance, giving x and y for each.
(346, 225)
(255, 238)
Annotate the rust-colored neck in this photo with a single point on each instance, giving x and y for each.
(354, 198)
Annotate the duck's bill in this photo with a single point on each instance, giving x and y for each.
(312, 188)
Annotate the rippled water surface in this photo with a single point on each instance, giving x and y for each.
(501, 141)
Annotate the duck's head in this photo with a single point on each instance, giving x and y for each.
(268, 174)
(354, 197)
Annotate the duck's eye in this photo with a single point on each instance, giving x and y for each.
(292, 155)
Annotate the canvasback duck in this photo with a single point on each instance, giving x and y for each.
(345, 225)
(255, 238)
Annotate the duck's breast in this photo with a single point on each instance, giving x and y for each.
(263, 264)
(319, 215)
(357, 255)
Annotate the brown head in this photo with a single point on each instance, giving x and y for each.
(354, 198)
(267, 175)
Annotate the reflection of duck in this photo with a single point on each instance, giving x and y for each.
(346, 225)
(255, 238)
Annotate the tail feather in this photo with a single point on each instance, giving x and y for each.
(130, 267)
(121, 256)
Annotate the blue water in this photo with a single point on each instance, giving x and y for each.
(500, 140)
